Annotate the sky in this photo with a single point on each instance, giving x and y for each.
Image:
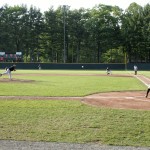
(44, 5)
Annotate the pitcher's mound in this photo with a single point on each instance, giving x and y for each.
(15, 80)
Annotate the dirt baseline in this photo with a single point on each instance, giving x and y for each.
(117, 100)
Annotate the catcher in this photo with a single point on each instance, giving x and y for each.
(9, 70)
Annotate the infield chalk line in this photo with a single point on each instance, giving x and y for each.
(137, 76)
(142, 80)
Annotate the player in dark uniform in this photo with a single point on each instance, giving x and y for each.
(148, 90)
(108, 71)
(9, 70)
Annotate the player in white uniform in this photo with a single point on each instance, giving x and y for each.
(135, 69)
(9, 70)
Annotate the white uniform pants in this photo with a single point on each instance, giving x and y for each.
(7, 72)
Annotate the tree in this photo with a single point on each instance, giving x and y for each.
(76, 34)
(53, 34)
(134, 31)
(34, 26)
(91, 35)
(104, 28)
(146, 32)
(12, 27)
(113, 56)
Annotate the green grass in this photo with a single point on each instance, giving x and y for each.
(67, 85)
(146, 73)
(71, 121)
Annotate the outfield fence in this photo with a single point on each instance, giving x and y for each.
(78, 66)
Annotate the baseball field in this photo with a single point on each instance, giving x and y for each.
(75, 107)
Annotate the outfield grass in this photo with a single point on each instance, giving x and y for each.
(67, 85)
(71, 121)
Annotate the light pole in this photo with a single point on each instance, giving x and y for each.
(64, 11)
(65, 7)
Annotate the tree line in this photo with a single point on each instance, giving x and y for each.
(103, 34)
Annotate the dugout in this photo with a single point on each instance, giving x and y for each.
(11, 57)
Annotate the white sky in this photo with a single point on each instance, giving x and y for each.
(44, 5)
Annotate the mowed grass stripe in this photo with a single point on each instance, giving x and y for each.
(69, 85)
(72, 121)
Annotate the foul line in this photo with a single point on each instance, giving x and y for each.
(142, 80)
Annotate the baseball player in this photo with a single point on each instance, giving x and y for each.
(148, 90)
(39, 66)
(108, 71)
(9, 70)
(135, 69)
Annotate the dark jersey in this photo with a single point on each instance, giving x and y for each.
(107, 69)
(12, 68)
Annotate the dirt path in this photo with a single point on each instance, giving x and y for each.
(24, 145)
(122, 100)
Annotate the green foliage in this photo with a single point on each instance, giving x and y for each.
(113, 56)
(88, 34)
(135, 29)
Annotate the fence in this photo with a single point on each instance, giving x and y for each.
(77, 66)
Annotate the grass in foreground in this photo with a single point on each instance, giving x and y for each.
(72, 121)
